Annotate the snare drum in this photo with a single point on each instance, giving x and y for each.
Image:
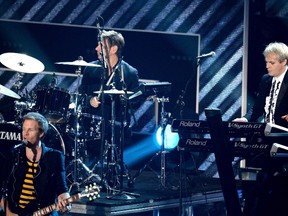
(53, 103)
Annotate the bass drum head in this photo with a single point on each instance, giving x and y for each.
(2, 120)
(53, 139)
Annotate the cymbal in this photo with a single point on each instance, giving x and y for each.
(79, 63)
(4, 90)
(21, 62)
(114, 92)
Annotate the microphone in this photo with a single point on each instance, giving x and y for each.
(122, 74)
(211, 54)
(25, 143)
(28, 144)
(99, 22)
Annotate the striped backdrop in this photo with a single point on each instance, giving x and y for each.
(220, 23)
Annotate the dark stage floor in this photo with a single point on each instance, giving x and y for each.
(200, 195)
(153, 195)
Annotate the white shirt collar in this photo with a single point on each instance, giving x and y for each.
(281, 77)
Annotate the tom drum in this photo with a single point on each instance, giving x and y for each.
(53, 103)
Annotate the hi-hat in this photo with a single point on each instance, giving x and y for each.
(4, 90)
(79, 63)
(21, 62)
(114, 92)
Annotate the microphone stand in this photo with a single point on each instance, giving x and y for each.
(123, 101)
(181, 103)
(102, 99)
(105, 73)
(120, 194)
(77, 163)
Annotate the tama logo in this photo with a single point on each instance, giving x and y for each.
(8, 135)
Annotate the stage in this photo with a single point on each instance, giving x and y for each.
(151, 197)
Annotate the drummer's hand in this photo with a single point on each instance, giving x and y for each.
(285, 117)
(94, 102)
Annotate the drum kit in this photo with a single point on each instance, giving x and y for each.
(53, 102)
(57, 105)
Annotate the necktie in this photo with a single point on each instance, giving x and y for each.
(272, 101)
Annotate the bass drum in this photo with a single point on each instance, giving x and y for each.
(10, 136)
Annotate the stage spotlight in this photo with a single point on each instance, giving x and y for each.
(140, 150)
(171, 139)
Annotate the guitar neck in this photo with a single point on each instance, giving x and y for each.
(52, 207)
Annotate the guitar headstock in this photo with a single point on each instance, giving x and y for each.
(91, 191)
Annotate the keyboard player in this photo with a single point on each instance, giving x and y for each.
(269, 196)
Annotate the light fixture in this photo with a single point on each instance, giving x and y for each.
(170, 140)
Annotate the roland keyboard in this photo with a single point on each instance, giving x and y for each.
(246, 138)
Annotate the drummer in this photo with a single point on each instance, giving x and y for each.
(118, 74)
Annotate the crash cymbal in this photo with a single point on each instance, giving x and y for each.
(79, 63)
(21, 62)
(114, 92)
(4, 90)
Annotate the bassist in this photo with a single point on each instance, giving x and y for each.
(37, 177)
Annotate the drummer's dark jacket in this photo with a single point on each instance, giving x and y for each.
(49, 182)
(94, 77)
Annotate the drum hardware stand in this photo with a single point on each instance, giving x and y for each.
(162, 151)
(18, 82)
(18, 105)
(110, 153)
(53, 82)
(21, 105)
(164, 120)
(120, 194)
(111, 159)
(105, 71)
(77, 163)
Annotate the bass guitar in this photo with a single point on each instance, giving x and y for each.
(91, 192)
